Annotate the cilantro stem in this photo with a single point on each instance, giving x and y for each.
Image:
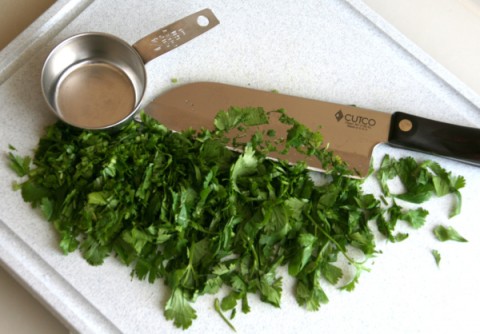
(219, 311)
(329, 237)
(359, 266)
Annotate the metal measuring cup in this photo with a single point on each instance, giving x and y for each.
(96, 81)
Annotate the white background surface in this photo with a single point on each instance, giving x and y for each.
(447, 29)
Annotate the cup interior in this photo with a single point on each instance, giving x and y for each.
(94, 81)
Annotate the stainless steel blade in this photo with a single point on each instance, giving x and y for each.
(350, 132)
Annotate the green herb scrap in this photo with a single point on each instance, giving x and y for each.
(436, 256)
(421, 180)
(447, 233)
(184, 208)
(20, 165)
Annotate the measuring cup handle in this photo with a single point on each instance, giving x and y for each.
(175, 34)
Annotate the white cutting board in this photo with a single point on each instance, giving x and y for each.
(333, 50)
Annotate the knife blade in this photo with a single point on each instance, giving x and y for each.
(351, 132)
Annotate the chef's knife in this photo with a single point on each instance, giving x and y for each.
(351, 132)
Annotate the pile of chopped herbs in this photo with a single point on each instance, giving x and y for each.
(184, 208)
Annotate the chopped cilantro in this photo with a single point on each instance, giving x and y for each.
(179, 310)
(421, 180)
(21, 165)
(436, 256)
(183, 208)
(219, 311)
(447, 233)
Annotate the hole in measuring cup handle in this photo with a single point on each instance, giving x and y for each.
(203, 21)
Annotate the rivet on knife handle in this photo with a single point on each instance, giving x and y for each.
(426, 135)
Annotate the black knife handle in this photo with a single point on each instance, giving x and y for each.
(426, 135)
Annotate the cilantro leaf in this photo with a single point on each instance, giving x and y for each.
(136, 238)
(387, 228)
(46, 206)
(436, 256)
(212, 285)
(306, 246)
(98, 198)
(386, 172)
(447, 233)
(458, 206)
(270, 288)
(230, 301)
(245, 166)
(93, 251)
(20, 165)
(233, 117)
(416, 218)
(309, 293)
(421, 180)
(179, 310)
(68, 243)
(33, 193)
(331, 273)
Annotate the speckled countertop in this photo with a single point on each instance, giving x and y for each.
(332, 50)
